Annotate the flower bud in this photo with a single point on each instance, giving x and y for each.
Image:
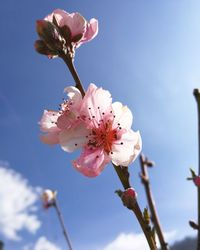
(129, 198)
(42, 48)
(197, 181)
(48, 32)
(48, 198)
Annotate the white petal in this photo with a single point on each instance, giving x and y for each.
(127, 149)
(123, 115)
(74, 138)
(73, 93)
(48, 121)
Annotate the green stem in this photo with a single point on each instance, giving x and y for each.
(123, 175)
(197, 97)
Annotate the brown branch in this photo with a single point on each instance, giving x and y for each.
(144, 163)
(69, 62)
(197, 97)
(123, 175)
(61, 220)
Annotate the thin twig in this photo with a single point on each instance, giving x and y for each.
(144, 162)
(123, 175)
(197, 97)
(61, 220)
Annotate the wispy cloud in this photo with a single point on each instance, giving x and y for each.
(18, 199)
(42, 244)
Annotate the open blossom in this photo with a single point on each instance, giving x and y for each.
(53, 122)
(105, 136)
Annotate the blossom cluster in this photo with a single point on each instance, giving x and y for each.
(93, 123)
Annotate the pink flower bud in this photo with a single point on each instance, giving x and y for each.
(129, 198)
(197, 181)
(48, 198)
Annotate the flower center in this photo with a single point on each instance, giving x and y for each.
(103, 136)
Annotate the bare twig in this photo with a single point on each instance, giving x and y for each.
(123, 175)
(60, 217)
(197, 97)
(144, 163)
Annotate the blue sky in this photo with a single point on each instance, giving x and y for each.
(147, 54)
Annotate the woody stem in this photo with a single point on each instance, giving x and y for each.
(69, 62)
(123, 175)
(197, 97)
(154, 215)
(61, 220)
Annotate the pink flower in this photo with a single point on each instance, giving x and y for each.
(53, 122)
(75, 29)
(197, 181)
(106, 136)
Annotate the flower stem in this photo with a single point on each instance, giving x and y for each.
(123, 175)
(197, 97)
(69, 62)
(154, 215)
(61, 220)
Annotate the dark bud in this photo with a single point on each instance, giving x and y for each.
(77, 38)
(48, 32)
(66, 33)
(42, 48)
(194, 225)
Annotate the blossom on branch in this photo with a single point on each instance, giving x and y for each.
(100, 128)
(62, 32)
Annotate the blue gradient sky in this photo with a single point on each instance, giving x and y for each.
(147, 53)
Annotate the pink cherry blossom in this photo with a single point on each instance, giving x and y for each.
(76, 26)
(53, 122)
(107, 135)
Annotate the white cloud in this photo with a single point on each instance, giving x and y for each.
(18, 200)
(133, 241)
(42, 244)
(128, 242)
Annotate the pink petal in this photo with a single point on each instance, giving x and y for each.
(91, 162)
(58, 14)
(96, 105)
(48, 121)
(66, 120)
(91, 31)
(50, 138)
(75, 22)
(123, 115)
(127, 149)
(74, 138)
